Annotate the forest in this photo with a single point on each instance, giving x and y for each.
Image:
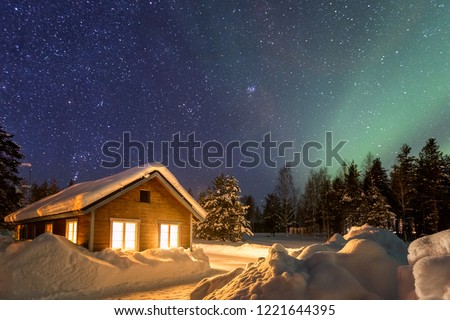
(411, 199)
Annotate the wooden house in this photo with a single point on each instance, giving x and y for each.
(140, 208)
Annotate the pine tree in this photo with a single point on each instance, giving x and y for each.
(404, 189)
(10, 157)
(287, 193)
(430, 181)
(335, 204)
(353, 197)
(272, 213)
(43, 190)
(314, 201)
(445, 216)
(378, 212)
(252, 215)
(376, 176)
(225, 220)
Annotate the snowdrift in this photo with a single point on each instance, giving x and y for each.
(429, 261)
(51, 267)
(361, 265)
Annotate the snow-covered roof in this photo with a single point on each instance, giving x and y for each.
(83, 196)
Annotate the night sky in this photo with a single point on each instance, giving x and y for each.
(76, 74)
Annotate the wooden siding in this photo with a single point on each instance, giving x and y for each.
(59, 228)
(163, 207)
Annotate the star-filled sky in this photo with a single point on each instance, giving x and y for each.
(76, 74)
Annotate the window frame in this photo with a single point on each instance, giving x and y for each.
(169, 223)
(50, 229)
(137, 222)
(74, 233)
(148, 196)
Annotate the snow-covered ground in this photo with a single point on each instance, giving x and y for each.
(52, 267)
(367, 263)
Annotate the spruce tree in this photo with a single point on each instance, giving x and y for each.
(287, 193)
(353, 197)
(376, 176)
(252, 214)
(404, 189)
(335, 204)
(272, 213)
(378, 212)
(430, 182)
(43, 190)
(314, 201)
(225, 220)
(10, 157)
(445, 216)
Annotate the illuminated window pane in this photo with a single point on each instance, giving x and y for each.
(117, 235)
(49, 227)
(169, 234)
(164, 236)
(124, 235)
(173, 236)
(71, 231)
(130, 236)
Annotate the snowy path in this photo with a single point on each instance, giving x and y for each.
(219, 263)
(223, 257)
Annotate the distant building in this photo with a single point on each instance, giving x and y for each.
(138, 209)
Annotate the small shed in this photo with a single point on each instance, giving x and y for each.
(140, 208)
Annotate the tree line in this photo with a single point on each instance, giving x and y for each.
(412, 199)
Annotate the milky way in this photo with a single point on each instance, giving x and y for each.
(76, 74)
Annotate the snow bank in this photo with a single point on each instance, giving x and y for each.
(206, 286)
(361, 265)
(429, 258)
(51, 267)
(243, 250)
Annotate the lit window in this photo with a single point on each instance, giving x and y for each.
(169, 236)
(124, 234)
(71, 230)
(49, 227)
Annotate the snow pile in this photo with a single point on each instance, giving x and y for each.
(361, 265)
(51, 267)
(206, 286)
(429, 258)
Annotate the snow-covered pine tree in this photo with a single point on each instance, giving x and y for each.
(377, 211)
(9, 177)
(226, 214)
(252, 214)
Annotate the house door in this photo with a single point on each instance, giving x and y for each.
(169, 236)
